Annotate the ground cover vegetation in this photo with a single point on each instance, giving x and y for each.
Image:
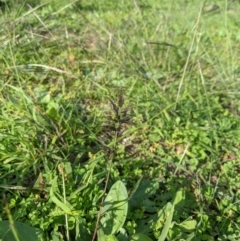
(119, 120)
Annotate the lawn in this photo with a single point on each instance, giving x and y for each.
(119, 120)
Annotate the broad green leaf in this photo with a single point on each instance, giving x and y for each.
(55, 236)
(140, 237)
(100, 235)
(110, 238)
(143, 191)
(135, 188)
(162, 215)
(190, 236)
(68, 168)
(45, 98)
(167, 225)
(114, 209)
(52, 109)
(179, 198)
(24, 231)
(188, 225)
(122, 235)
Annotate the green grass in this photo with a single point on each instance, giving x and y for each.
(108, 106)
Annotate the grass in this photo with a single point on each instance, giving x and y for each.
(119, 120)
